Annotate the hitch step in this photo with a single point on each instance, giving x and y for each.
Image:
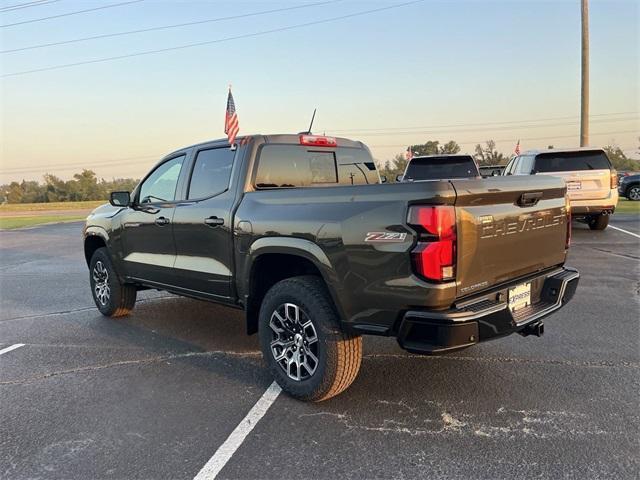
(535, 328)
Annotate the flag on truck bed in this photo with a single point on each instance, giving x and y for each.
(231, 127)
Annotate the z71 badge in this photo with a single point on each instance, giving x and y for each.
(385, 237)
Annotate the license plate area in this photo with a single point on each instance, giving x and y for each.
(573, 185)
(520, 297)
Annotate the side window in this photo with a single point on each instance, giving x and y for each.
(161, 185)
(526, 165)
(513, 166)
(356, 167)
(211, 172)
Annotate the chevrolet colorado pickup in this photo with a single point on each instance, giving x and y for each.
(299, 232)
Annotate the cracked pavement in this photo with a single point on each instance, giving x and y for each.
(155, 394)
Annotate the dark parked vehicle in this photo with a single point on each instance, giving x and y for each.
(297, 231)
(439, 167)
(629, 187)
(491, 170)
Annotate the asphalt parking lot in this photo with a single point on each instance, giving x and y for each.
(156, 394)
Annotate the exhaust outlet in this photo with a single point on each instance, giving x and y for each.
(535, 328)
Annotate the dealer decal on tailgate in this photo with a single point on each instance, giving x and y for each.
(385, 237)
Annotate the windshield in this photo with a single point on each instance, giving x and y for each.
(572, 161)
(436, 168)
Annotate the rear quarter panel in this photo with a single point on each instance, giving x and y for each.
(371, 281)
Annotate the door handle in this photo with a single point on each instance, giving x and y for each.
(162, 221)
(214, 221)
(529, 199)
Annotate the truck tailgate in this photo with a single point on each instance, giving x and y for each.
(508, 227)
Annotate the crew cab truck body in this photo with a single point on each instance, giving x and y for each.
(297, 231)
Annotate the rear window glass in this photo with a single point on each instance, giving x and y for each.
(571, 161)
(435, 168)
(286, 166)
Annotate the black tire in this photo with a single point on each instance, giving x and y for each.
(598, 222)
(633, 193)
(112, 298)
(338, 353)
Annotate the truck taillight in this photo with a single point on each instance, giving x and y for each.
(318, 141)
(614, 179)
(434, 257)
(568, 208)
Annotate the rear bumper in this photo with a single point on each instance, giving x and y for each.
(595, 206)
(485, 317)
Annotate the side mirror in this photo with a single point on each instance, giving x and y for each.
(120, 199)
(383, 179)
(399, 178)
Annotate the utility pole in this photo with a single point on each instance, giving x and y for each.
(584, 87)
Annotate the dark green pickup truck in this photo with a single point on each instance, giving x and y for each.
(299, 232)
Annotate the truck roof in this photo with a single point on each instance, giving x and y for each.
(563, 150)
(287, 138)
(441, 155)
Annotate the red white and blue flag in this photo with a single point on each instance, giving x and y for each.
(231, 126)
(408, 154)
(517, 150)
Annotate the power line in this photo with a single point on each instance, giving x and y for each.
(404, 145)
(165, 27)
(103, 7)
(573, 117)
(20, 6)
(210, 42)
(492, 129)
(127, 160)
(68, 166)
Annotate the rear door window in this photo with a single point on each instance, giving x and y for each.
(571, 161)
(525, 166)
(211, 172)
(435, 168)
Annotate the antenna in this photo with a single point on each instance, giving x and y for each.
(308, 132)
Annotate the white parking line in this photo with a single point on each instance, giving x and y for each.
(232, 443)
(11, 348)
(625, 231)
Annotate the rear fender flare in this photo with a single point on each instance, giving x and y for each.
(301, 248)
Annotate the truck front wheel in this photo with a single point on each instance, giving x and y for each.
(112, 298)
(307, 352)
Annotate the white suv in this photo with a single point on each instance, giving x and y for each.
(592, 183)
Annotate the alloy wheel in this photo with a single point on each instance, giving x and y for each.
(634, 193)
(294, 343)
(101, 286)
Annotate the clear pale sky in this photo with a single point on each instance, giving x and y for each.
(503, 70)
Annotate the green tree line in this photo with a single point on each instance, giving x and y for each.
(83, 186)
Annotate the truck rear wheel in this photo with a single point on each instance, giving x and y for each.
(307, 352)
(112, 298)
(598, 222)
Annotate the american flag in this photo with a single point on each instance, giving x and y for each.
(517, 150)
(231, 127)
(408, 154)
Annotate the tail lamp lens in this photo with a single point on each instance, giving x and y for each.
(434, 256)
(614, 179)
